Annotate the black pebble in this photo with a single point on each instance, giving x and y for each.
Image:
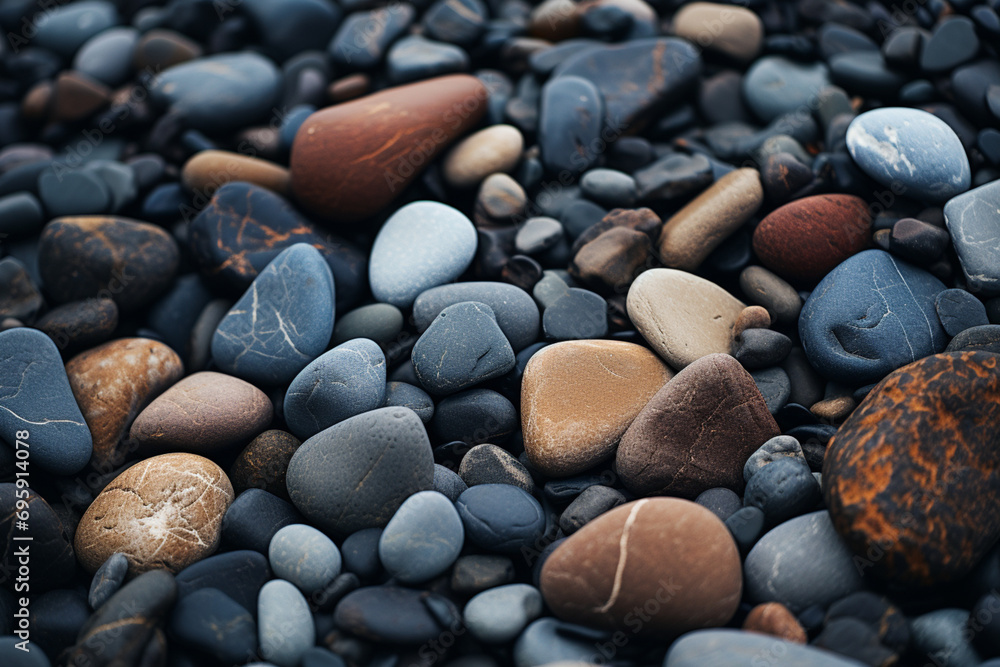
(782, 490)
(747, 526)
(253, 519)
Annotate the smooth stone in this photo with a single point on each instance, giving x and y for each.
(357, 473)
(664, 549)
(778, 447)
(363, 37)
(64, 29)
(282, 322)
(211, 622)
(118, 258)
(107, 56)
(516, 313)
(448, 483)
(774, 86)
(39, 408)
(219, 93)
(405, 395)
(578, 314)
(476, 573)
(474, 416)
(736, 648)
(985, 338)
(953, 43)
(495, 149)
(802, 563)
(379, 322)
(571, 115)
(696, 433)
(20, 299)
(423, 245)
(722, 502)
(972, 223)
(609, 187)
(736, 32)
(782, 490)
(107, 580)
(775, 386)
(780, 299)
(396, 616)
(917, 241)
(20, 214)
(423, 538)
(549, 641)
(50, 543)
(500, 198)
(498, 615)
(238, 574)
(579, 397)
(611, 260)
(56, 618)
(746, 525)
(284, 624)
(289, 27)
(869, 316)
(360, 553)
(262, 463)
(489, 464)
(80, 324)
(590, 504)
(207, 171)
(163, 512)
(682, 316)
(943, 636)
(468, 336)
(538, 234)
(160, 49)
(500, 518)
(458, 23)
(674, 177)
(757, 349)
(414, 57)
(773, 618)
(394, 124)
(304, 556)
(959, 311)
(911, 152)
(206, 412)
(344, 382)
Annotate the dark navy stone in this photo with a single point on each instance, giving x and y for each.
(835, 39)
(64, 29)
(174, 315)
(38, 405)
(570, 121)
(253, 519)
(489, 464)
(865, 73)
(953, 43)
(515, 310)
(289, 27)
(423, 538)
(474, 416)
(578, 314)
(869, 316)
(346, 381)
(76, 192)
(545, 61)
(360, 553)
(405, 395)
(396, 615)
(20, 214)
(219, 93)
(783, 489)
(166, 203)
(363, 38)
(501, 518)
(944, 633)
(57, 618)
(746, 525)
(721, 501)
(108, 579)
(971, 219)
(910, 151)
(774, 385)
(462, 347)
(213, 623)
(456, 21)
(985, 338)
(282, 323)
(448, 483)
(593, 502)
(414, 58)
(761, 348)
(238, 574)
(959, 311)
(107, 57)
(774, 86)
(291, 123)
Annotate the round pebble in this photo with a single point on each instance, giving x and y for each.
(423, 538)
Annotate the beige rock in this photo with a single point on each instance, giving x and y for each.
(491, 150)
(164, 512)
(684, 317)
(579, 397)
(734, 31)
(207, 171)
(692, 233)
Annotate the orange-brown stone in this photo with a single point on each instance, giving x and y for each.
(774, 618)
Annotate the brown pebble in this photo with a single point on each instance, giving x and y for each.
(349, 88)
(734, 31)
(774, 618)
(263, 463)
(207, 171)
(834, 409)
(612, 260)
(555, 20)
(500, 199)
(494, 149)
(751, 317)
(76, 96)
(159, 49)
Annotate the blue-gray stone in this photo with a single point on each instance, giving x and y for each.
(415, 57)
(291, 123)
(219, 93)
(959, 311)
(943, 636)
(448, 483)
(423, 245)
(515, 310)
(363, 38)
(341, 383)
(284, 623)
(549, 640)
(462, 347)
(571, 118)
(736, 648)
(911, 152)
(774, 385)
(778, 447)
(783, 489)
(73, 192)
(498, 615)
(869, 316)
(238, 574)
(360, 553)
(423, 538)
(975, 232)
(282, 322)
(404, 394)
(119, 179)
(501, 518)
(474, 416)
(538, 234)
(11, 653)
(609, 187)
(304, 556)
(37, 405)
(20, 214)
(576, 315)
(107, 580)
(395, 615)
(254, 518)
(985, 338)
(774, 86)
(801, 563)
(210, 622)
(107, 56)
(64, 29)
(289, 27)
(379, 322)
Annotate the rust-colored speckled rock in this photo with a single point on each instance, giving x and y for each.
(806, 239)
(350, 160)
(578, 397)
(773, 618)
(671, 559)
(113, 383)
(911, 478)
(162, 513)
(697, 432)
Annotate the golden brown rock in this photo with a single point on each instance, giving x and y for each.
(773, 618)
(735, 31)
(165, 512)
(752, 317)
(578, 397)
(206, 171)
(612, 260)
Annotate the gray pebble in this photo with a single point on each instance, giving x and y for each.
(474, 416)
(780, 446)
(578, 314)
(774, 386)
(498, 615)
(721, 501)
(380, 322)
(406, 395)
(20, 214)
(489, 464)
(761, 348)
(766, 289)
(959, 311)
(516, 313)
(304, 556)
(448, 483)
(284, 624)
(549, 289)
(423, 539)
(108, 579)
(549, 640)
(942, 635)
(609, 188)
(478, 572)
(593, 502)
(538, 234)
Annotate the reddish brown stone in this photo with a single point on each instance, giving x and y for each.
(349, 87)
(612, 260)
(264, 462)
(773, 618)
(159, 49)
(751, 317)
(637, 219)
(911, 479)
(76, 96)
(804, 240)
(350, 160)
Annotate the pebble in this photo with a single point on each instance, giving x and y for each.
(414, 57)
(262, 463)
(682, 316)
(480, 572)
(777, 448)
(287, 27)
(783, 489)
(773, 618)
(304, 556)
(20, 214)
(959, 311)
(910, 151)
(448, 483)
(624, 558)
(943, 636)
(762, 287)
(344, 382)
(985, 338)
(500, 518)
(459, 23)
(423, 538)
(696, 432)
(774, 86)
(238, 574)
(549, 641)
(206, 171)
(538, 234)
(364, 36)
(284, 624)
(500, 199)
(393, 615)
(515, 311)
(357, 473)
(380, 322)
(578, 314)
(107, 580)
(152, 511)
(495, 149)
(80, 324)
(675, 177)
(571, 115)
(869, 316)
(735, 648)
(579, 397)
(360, 553)
(282, 322)
(489, 464)
(722, 502)
(211, 622)
(757, 349)
(158, 50)
(590, 504)
(736, 32)
(973, 231)
(21, 298)
(953, 43)
(402, 394)
(498, 615)
(64, 29)
(609, 187)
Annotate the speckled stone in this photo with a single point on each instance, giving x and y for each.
(423, 538)
(262, 464)
(304, 556)
(515, 311)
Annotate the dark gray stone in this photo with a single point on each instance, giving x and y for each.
(360, 553)
(943, 637)
(778, 447)
(775, 386)
(489, 464)
(577, 314)
(414, 58)
(213, 623)
(516, 313)
(590, 504)
(782, 489)
(971, 219)
(959, 311)
(239, 574)
(108, 579)
(501, 518)
(405, 395)
(387, 614)
(380, 322)
(761, 348)
(253, 519)
(478, 572)
(736, 648)
(985, 338)
(721, 501)
(474, 416)
(571, 116)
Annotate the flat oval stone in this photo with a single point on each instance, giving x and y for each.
(682, 316)
(342, 383)
(206, 171)
(64, 29)
(39, 408)
(50, 543)
(107, 56)
(163, 513)
(579, 397)
(697, 432)
(671, 551)
(910, 150)
(423, 245)
(254, 518)
(210, 621)
(364, 36)
(357, 473)
(498, 615)
(379, 322)
(736, 648)
(239, 574)
(423, 538)
(933, 419)
(219, 93)
(393, 615)
(474, 416)
(80, 324)
(804, 240)
(869, 316)
(489, 464)
(571, 117)
(20, 214)
(985, 338)
(774, 86)
(76, 192)
(284, 624)
(734, 31)
(971, 220)
(91, 256)
(405, 395)
(205, 412)
(501, 518)
(959, 311)
(283, 321)
(495, 149)
(515, 311)
(304, 556)
(381, 143)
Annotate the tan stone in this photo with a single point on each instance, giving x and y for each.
(207, 171)
(734, 31)
(752, 317)
(684, 317)
(491, 150)
(774, 618)
(579, 397)
(164, 512)
(692, 233)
